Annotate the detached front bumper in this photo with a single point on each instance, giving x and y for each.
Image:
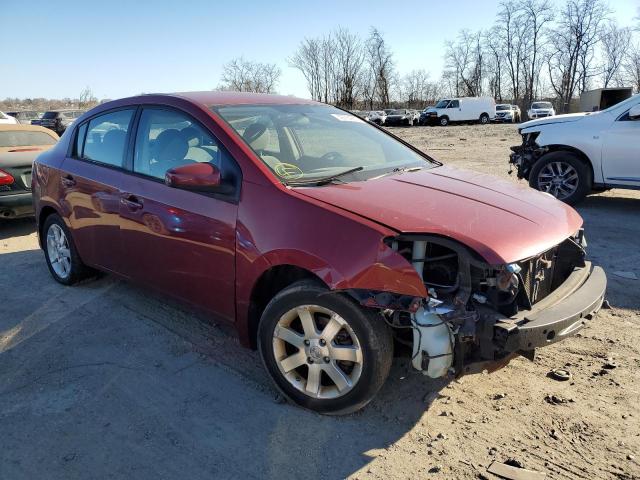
(560, 315)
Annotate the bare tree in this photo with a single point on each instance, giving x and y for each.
(465, 57)
(87, 99)
(573, 43)
(380, 62)
(349, 56)
(495, 62)
(511, 28)
(418, 90)
(247, 76)
(631, 66)
(535, 14)
(307, 59)
(615, 41)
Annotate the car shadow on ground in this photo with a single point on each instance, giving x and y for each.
(17, 228)
(107, 378)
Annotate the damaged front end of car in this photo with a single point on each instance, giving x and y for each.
(479, 316)
(525, 155)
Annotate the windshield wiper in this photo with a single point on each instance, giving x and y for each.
(398, 170)
(323, 180)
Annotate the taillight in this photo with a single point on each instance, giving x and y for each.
(5, 178)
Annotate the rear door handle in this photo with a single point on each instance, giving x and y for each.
(68, 181)
(131, 201)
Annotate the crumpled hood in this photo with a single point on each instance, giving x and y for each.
(501, 220)
(566, 118)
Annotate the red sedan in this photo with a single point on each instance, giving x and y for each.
(323, 238)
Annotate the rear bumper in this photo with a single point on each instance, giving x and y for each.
(577, 300)
(16, 205)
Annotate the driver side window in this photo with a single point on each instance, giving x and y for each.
(168, 139)
(454, 104)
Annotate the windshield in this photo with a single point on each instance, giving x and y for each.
(629, 102)
(442, 103)
(49, 115)
(24, 138)
(398, 112)
(309, 142)
(541, 105)
(503, 107)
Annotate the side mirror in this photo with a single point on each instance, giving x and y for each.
(199, 177)
(634, 113)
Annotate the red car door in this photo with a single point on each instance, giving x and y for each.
(180, 242)
(91, 178)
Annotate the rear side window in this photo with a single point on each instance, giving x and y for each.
(105, 140)
(23, 138)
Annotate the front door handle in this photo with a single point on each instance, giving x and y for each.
(68, 181)
(131, 201)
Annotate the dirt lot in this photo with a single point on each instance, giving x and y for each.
(106, 380)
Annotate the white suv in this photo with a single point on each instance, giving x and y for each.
(570, 155)
(540, 110)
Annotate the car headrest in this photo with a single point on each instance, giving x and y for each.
(192, 136)
(171, 146)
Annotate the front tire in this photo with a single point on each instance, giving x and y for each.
(443, 121)
(562, 174)
(61, 254)
(322, 350)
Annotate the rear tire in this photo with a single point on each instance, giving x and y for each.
(484, 119)
(562, 174)
(61, 254)
(303, 359)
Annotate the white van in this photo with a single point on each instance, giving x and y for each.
(465, 109)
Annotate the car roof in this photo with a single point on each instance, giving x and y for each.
(208, 98)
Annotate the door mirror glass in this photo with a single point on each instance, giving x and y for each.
(199, 177)
(634, 113)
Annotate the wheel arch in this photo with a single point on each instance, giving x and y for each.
(272, 281)
(44, 213)
(567, 148)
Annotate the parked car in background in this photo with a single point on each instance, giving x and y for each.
(570, 155)
(424, 118)
(378, 117)
(25, 117)
(518, 113)
(541, 110)
(505, 113)
(320, 238)
(416, 117)
(400, 116)
(7, 119)
(19, 145)
(465, 109)
(58, 120)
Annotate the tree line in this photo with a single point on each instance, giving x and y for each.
(533, 50)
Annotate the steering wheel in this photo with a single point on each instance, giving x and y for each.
(333, 157)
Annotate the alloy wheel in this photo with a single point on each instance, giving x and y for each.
(559, 179)
(317, 351)
(58, 251)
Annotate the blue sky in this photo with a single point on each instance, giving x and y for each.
(120, 48)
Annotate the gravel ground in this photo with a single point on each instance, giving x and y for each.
(106, 380)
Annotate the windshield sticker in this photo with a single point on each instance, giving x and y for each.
(288, 171)
(343, 117)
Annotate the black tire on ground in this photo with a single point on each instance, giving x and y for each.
(443, 121)
(373, 334)
(484, 119)
(79, 271)
(565, 158)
